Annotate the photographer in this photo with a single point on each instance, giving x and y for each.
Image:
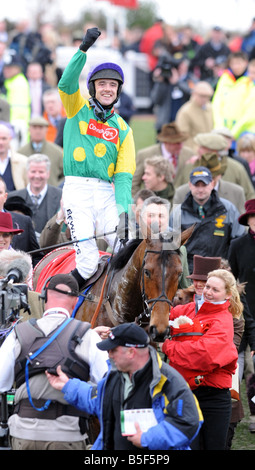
(172, 87)
(41, 419)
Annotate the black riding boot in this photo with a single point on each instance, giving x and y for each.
(78, 277)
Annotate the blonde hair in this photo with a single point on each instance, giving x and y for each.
(236, 306)
(161, 167)
(246, 142)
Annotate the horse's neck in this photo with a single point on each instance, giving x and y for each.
(127, 298)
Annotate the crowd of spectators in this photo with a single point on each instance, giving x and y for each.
(203, 159)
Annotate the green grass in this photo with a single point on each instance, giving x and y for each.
(243, 438)
(144, 131)
(145, 135)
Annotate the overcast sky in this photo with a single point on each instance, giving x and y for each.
(230, 14)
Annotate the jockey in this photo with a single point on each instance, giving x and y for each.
(98, 150)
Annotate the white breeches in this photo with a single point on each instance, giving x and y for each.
(91, 210)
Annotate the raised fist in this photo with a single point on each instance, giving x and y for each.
(90, 37)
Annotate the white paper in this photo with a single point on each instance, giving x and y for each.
(145, 417)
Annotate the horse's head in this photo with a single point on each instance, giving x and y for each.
(184, 296)
(161, 270)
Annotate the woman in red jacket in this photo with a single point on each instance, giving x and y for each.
(208, 359)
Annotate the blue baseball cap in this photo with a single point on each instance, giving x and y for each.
(200, 173)
(129, 335)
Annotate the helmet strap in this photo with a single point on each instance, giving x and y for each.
(99, 110)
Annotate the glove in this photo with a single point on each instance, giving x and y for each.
(90, 37)
(122, 229)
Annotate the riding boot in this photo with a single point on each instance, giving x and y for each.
(78, 277)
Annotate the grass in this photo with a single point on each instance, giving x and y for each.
(244, 439)
(144, 131)
(145, 135)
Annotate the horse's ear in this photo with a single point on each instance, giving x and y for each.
(186, 234)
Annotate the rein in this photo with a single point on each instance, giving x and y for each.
(161, 298)
(96, 313)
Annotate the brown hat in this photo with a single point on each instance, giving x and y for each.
(38, 121)
(249, 210)
(202, 265)
(211, 141)
(171, 133)
(213, 162)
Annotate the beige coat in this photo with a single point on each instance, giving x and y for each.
(55, 154)
(194, 120)
(19, 170)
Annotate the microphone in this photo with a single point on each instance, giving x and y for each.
(18, 271)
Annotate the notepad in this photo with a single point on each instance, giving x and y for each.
(145, 417)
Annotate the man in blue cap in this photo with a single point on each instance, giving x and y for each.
(140, 382)
(98, 151)
(215, 218)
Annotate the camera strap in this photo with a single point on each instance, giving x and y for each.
(35, 354)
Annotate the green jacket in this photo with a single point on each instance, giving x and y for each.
(92, 148)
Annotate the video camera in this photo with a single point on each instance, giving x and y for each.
(13, 298)
(166, 63)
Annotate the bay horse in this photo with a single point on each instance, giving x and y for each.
(138, 285)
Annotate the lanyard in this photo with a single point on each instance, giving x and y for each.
(36, 353)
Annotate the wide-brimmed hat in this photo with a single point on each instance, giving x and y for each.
(214, 163)
(202, 265)
(249, 210)
(6, 224)
(211, 141)
(129, 335)
(17, 203)
(172, 134)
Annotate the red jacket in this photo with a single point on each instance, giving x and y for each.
(213, 355)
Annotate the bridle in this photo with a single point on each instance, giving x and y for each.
(161, 298)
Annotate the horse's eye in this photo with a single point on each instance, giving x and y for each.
(147, 273)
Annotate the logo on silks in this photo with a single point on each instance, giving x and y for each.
(101, 131)
(219, 224)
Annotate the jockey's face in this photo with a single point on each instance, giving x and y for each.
(106, 91)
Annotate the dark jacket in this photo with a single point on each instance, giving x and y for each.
(27, 240)
(213, 234)
(52, 199)
(241, 258)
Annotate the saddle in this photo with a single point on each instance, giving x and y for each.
(64, 262)
(102, 265)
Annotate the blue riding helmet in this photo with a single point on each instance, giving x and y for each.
(106, 70)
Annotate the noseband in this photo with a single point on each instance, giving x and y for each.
(161, 298)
